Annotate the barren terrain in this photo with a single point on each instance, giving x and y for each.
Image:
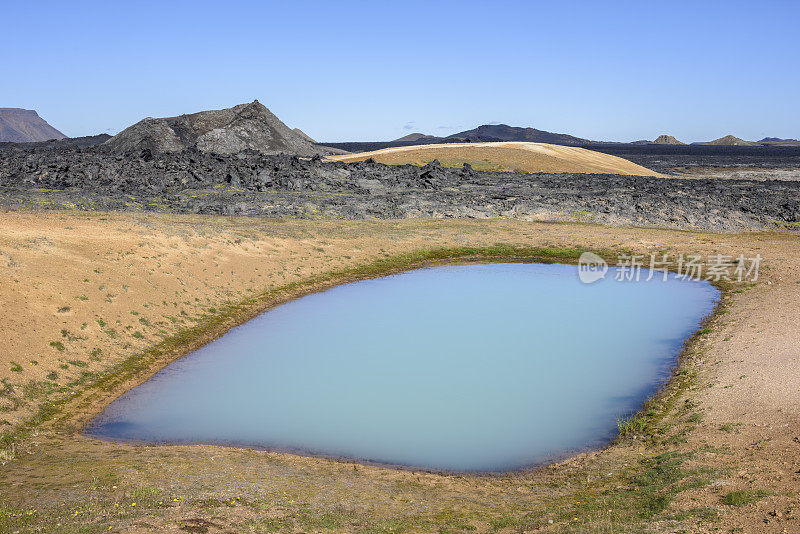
(88, 295)
(253, 184)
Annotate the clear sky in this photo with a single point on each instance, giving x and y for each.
(379, 70)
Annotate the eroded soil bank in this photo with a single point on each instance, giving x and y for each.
(85, 293)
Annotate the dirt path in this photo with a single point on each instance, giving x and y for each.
(734, 427)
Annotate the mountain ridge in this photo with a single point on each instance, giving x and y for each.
(504, 132)
(19, 125)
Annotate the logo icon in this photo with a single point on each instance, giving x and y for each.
(591, 268)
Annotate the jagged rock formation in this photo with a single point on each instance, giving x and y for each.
(730, 140)
(25, 126)
(667, 140)
(226, 131)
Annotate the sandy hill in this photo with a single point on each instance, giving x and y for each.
(25, 126)
(730, 140)
(225, 131)
(667, 140)
(505, 156)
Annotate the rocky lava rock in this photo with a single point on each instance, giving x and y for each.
(226, 131)
(252, 183)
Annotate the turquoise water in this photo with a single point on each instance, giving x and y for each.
(468, 368)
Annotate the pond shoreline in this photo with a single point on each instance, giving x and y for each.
(677, 434)
(77, 413)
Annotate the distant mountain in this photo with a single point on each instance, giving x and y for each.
(414, 137)
(667, 140)
(225, 131)
(779, 141)
(730, 140)
(504, 132)
(25, 126)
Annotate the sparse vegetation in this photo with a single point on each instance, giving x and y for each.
(743, 497)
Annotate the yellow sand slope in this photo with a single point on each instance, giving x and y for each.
(505, 156)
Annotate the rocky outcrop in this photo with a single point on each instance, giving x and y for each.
(226, 131)
(667, 140)
(25, 126)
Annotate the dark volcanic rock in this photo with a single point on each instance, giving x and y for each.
(669, 158)
(253, 183)
(226, 131)
(60, 144)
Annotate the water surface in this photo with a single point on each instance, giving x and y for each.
(471, 368)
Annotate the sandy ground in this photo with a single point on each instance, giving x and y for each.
(506, 156)
(81, 292)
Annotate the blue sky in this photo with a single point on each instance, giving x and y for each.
(379, 70)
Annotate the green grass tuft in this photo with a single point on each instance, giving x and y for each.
(743, 497)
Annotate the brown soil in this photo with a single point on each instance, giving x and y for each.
(506, 156)
(739, 419)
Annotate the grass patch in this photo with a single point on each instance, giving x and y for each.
(744, 497)
(59, 346)
(631, 426)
